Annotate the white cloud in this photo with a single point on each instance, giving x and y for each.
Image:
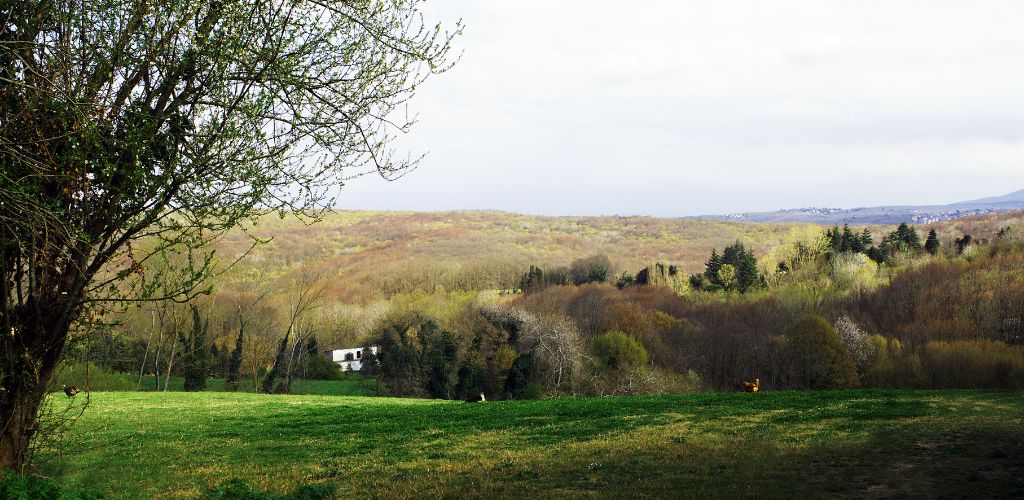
(678, 108)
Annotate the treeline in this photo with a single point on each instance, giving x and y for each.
(836, 311)
(833, 308)
(508, 351)
(238, 335)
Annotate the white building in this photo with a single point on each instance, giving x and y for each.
(350, 359)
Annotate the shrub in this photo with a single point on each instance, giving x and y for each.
(820, 358)
(893, 366)
(91, 376)
(594, 269)
(617, 351)
(13, 486)
(319, 367)
(974, 364)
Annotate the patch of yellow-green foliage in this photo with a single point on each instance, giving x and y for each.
(782, 444)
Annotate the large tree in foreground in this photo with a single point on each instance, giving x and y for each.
(132, 130)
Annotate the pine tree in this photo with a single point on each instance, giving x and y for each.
(908, 235)
(733, 254)
(235, 364)
(854, 240)
(215, 355)
(712, 267)
(962, 243)
(931, 245)
(196, 354)
(746, 272)
(846, 243)
(532, 281)
(866, 240)
(835, 239)
(275, 371)
(369, 363)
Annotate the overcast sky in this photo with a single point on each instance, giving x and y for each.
(683, 108)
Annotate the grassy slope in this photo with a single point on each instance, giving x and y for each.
(374, 254)
(874, 443)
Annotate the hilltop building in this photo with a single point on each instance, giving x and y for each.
(350, 359)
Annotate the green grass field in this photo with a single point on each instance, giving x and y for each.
(784, 444)
(350, 386)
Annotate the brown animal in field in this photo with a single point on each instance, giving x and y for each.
(749, 386)
(70, 391)
(477, 399)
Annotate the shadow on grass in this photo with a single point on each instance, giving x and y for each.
(861, 443)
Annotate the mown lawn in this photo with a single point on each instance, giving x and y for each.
(777, 444)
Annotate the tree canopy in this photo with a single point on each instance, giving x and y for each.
(132, 132)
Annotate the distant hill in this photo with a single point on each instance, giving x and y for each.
(372, 255)
(1012, 201)
(920, 214)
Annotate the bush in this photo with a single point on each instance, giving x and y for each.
(318, 367)
(820, 358)
(15, 487)
(974, 364)
(594, 269)
(617, 351)
(91, 376)
(893, 366)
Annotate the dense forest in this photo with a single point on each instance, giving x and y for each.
(804, 308)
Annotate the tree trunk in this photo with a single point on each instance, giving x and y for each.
(19, 413)
(25, 369)
(170, 367)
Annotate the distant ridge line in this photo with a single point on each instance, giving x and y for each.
(919, 214)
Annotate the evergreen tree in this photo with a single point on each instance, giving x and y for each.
(195, 353)
(866, 240)
(931, 245)
(532, 281)
(518, 382)
(370, 366)
(746, 272)
(275, 370)
(846, 241)
(733, 254)
(876, 254)
(907, 235)
(853, 240)
(713, 265)
(835, 239)
(903, 239)
(215, 355)
(697, 281)
(962, 243)
(235, 364)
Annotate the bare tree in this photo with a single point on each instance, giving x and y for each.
(554, 342)
(130, 128)
(306, 294)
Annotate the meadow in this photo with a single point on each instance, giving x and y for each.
(874, 443)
